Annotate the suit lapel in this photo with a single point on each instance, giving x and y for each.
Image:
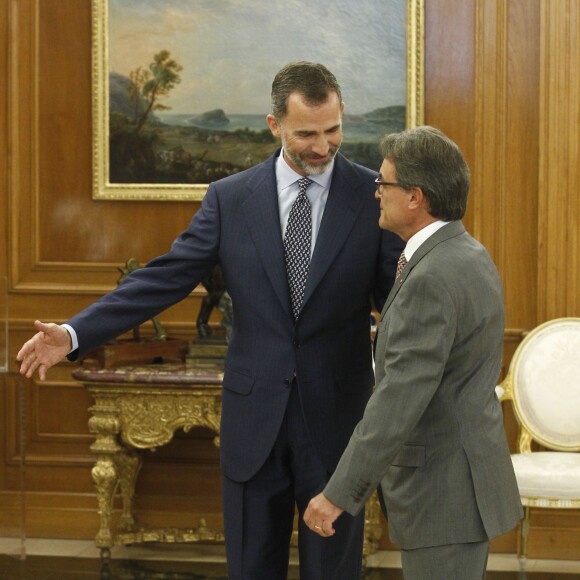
(340, 213)
(262, 216)
(448, 231)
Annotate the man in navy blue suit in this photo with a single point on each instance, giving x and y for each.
(298, 371)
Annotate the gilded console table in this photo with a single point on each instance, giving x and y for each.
(141, 407)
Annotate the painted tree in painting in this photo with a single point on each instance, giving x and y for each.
(152, 84)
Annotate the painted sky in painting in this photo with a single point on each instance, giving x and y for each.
(230, 50)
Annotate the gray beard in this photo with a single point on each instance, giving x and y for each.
(307, 167)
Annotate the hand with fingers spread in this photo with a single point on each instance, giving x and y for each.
(47, 347)
(320, 514)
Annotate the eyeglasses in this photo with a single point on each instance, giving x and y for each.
(392, 183)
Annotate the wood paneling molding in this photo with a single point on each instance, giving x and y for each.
(21, 124)
(4, 150)
(61, 241)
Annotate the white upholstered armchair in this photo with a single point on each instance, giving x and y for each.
(543, 384)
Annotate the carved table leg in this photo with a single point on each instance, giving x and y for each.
(104, 423)
(105, 479)
(128, 464)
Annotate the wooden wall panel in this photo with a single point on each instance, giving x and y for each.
(490, 87)
(505, 184)
(559, 172)
(449, 74)
(501, 80)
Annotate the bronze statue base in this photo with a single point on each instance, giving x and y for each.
(208, 351)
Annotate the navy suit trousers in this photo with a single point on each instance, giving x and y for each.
(259, 514)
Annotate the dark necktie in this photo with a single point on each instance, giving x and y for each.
(401, 265)
(297, 245)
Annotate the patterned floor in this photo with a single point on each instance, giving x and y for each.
(60, 568)
(58, 559)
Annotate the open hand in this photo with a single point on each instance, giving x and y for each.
(47, 347)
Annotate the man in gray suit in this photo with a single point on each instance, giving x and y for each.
(432, 434)
(298, 371)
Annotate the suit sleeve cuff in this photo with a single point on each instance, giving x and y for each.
(350, 500)
(73, 337)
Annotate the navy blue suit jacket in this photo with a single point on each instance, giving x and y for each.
(328, 349)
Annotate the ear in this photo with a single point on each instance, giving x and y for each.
(416, 198)
(273, 124)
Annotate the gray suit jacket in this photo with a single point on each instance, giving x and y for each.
(432, 434)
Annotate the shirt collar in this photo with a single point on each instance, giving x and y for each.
(286, 176)
(422, 236)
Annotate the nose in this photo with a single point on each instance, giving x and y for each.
(378, 193)
(321, 145)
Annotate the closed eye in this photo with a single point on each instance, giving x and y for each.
(333, 129)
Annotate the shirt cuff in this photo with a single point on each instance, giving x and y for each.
(73, 337)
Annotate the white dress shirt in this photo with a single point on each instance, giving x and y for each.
(420, 237)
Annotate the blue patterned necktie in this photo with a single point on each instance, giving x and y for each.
(297, 245)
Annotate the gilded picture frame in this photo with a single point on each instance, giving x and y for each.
(122, 163)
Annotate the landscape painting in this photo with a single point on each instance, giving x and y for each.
(181, 88)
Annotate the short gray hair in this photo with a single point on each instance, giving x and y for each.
(313, 81)
(425, 157)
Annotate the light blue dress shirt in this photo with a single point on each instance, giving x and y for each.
(317, 194)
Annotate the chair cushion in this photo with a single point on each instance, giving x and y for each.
(549, 475)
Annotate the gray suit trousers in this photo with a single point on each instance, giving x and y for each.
(448, 562)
